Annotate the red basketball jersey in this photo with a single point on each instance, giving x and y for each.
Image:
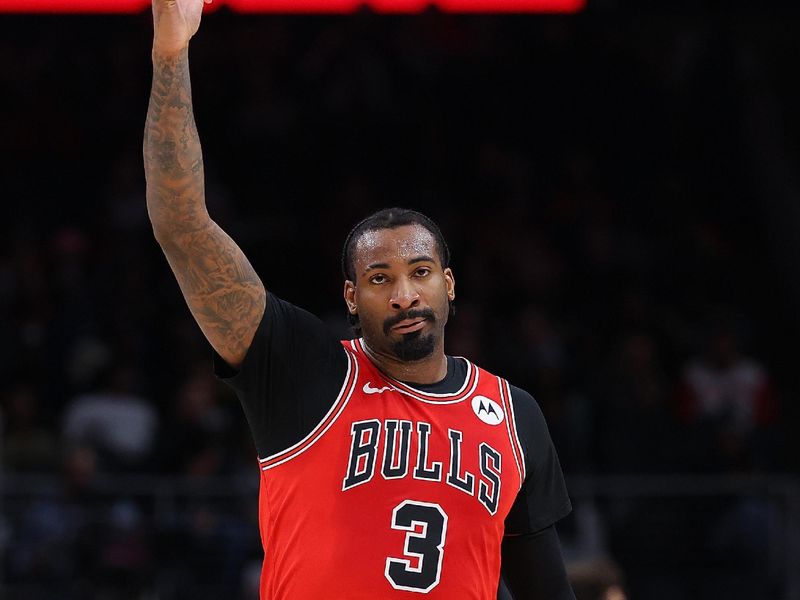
(395, 492)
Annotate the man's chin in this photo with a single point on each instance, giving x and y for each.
(414, 346)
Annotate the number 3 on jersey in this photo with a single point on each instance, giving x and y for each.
(426, 546)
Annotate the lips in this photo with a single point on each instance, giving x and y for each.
(409, 325)
(408, 321)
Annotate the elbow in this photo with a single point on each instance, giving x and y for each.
(161, 227)
(163, 236)
(174, 233)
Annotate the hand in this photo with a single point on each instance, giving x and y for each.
(174, 24)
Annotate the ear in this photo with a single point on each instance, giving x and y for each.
(350, 296)
(450, 282)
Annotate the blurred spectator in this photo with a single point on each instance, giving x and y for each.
(727, 407)
(120, 425)
(634, 426)
(727, 402)
(51, 537)
(597, 579)
(28, 444)
(195, 439)
(72, 545)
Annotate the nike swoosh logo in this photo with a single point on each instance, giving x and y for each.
(371, 390)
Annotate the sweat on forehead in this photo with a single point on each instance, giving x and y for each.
(390, 219)
(404, 243)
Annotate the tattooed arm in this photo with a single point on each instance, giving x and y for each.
(223, 292)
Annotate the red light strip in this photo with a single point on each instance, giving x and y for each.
(303, 6)
(293, 6)
(511, 6)
(73, 6)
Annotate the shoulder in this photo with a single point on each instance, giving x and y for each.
(523, 399)
(527, 413)
(531, 426)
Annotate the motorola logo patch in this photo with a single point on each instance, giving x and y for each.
(488, 411)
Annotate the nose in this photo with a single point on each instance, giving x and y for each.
(404, 295)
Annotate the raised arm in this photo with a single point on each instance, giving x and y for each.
(224, 294)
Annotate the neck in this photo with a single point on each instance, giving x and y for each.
(430, 369)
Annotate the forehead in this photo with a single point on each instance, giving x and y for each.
(399, 244)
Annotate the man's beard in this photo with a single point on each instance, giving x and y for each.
(412, 346)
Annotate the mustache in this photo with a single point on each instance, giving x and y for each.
(425, 313)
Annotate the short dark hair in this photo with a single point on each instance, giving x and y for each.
(391, 218)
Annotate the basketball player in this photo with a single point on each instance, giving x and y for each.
(388, 469)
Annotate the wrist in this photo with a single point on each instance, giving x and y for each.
(169, 54)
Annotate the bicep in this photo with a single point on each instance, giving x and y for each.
(220, 286)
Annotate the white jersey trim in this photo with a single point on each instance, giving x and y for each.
(513, 436)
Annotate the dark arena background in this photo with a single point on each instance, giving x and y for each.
(619, 186)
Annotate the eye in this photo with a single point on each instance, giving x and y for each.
(378, 278)
(423, 272)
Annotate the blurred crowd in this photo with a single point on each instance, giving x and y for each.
(602, 207)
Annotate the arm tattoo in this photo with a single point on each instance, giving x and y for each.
(219, 284)
(172, 155)
(221, 288)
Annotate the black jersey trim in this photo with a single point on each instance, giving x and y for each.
(342, 399)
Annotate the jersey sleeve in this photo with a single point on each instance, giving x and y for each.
(290, 376)
(543, 498)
